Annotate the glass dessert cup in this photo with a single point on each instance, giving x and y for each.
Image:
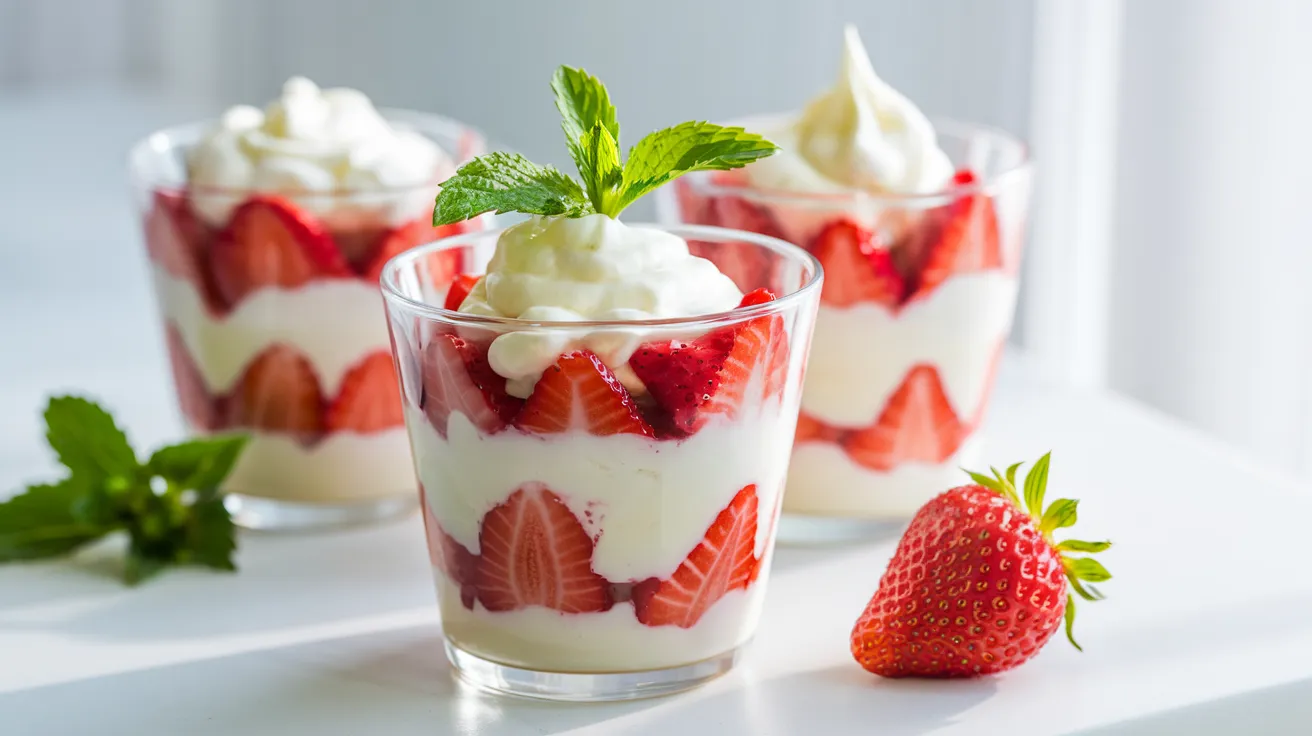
(295, 355)
(573, 564)
(917, 305)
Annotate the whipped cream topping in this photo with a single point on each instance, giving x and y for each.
(330, 149)
(861, 135)
(591, 268)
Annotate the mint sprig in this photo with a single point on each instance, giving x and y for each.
(169, 506)
(503, 182)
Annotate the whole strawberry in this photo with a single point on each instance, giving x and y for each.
(977, 584)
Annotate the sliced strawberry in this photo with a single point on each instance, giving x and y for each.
(681, 376)
(458, 564)
(776, 375)
(179, 242)
(461, 285)
(198, 406)
(966, 240)
(358, 243)
(725, 560)
(857, 269)
(270, 243)
(810, 429)
(441, 265)
(535, 552)
(691, 381)
(279, 392)
(579, 393)
(457, 377)
(917, 424)
(369, 400)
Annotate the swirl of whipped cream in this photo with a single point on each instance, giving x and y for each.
(860, 135)
(329, 149)
(589, 268)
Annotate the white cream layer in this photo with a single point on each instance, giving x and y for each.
(344, 467)
(614, 641)
(335, 324)
(861, 354)
(824, 481)
(646, 502)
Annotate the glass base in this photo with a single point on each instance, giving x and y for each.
(269, 514)
(811, 531)
(583, 687)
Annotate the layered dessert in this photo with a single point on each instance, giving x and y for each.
(266, 249)
(920, 250)
(601, 420)
(625, 476)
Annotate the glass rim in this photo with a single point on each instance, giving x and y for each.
(393, 294)
(164, 139)
(702, 181)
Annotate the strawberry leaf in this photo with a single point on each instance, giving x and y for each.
(1087, 568)
(1061, 514)
(1036, 484)
(990, 483)
(1011, 474)
(1070, 623)
(1075, 545)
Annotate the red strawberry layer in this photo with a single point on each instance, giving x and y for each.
(533, 551)
(268, 242)
(931, 247)
(723, 373)
(279, 391)
(918, 423)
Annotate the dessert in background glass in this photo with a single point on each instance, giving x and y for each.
(266, 233)
(919, 232)
(602, 534)
(600, 420)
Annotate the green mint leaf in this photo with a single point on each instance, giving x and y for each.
(42, 522)
(88, 441)
(507, 182)
(583, 103)
(663, 156)
(1036, 484)
(211, 535)
(141, 565)
(601, 170)
(199, 464)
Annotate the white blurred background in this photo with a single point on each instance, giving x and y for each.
(1170, 240)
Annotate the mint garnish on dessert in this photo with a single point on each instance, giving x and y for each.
(169, 505)
(508, 182)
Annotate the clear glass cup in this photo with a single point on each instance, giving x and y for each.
(917, 305)
(579, 564)
(295, 355)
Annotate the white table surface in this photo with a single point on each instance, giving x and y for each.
(1206, 629)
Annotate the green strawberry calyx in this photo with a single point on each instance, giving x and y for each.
(1081, 572)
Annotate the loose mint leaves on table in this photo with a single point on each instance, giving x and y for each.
(169, 505)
